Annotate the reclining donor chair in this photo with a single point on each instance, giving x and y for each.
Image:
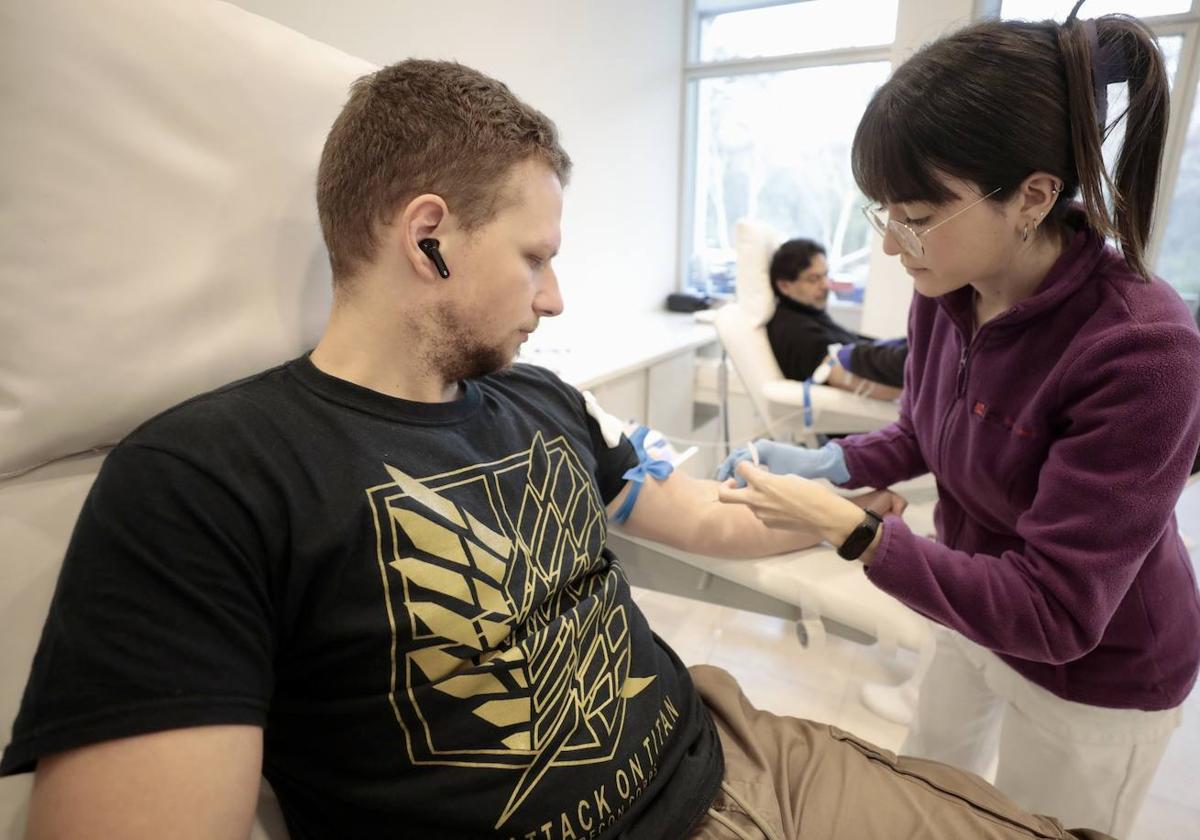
(783, 409)
(160, 239)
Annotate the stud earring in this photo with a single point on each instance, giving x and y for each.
(1025, 233)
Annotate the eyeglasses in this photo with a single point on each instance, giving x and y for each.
(909, 239)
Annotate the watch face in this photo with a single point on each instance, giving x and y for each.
(855, 544)
(860, 538)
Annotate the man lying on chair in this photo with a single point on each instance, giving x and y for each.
(807, 342)
(377, 574)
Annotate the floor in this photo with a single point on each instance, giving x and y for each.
(778, 674)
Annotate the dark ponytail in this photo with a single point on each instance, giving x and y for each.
(1000, 100)
(1087, 132)
(1119, 49)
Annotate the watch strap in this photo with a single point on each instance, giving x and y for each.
(860, 538)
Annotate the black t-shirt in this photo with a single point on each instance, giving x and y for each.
(414, 600)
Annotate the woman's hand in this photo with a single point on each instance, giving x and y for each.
(788, 501)
(827, 462)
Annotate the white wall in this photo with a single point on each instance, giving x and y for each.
(608, 73)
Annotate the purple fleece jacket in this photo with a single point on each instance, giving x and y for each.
(1061, 436)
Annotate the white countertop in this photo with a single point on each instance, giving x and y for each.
(589, 353)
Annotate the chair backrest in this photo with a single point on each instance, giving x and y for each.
(158, 237)
(786, 408)
(746, 344)
(755, 243)
(741, 325)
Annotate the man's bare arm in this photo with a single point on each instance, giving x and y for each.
(842, 379)
(684, 512)
(199, 782)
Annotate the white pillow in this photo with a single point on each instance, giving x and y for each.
(158, 227)
(756, 243)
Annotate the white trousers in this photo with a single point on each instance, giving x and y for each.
(1087, 765)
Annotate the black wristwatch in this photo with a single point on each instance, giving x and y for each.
(861, 536)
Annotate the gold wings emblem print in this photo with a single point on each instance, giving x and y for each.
(509, 648)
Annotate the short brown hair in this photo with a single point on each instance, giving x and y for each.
(421, 127)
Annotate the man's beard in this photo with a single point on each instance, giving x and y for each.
(455, 353)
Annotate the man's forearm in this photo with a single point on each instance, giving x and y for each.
(842, 379)
(734, 531)
(719, 530)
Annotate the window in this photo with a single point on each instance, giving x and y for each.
(774, 92)
(1059, 9)
(812, 26)
(773, 103)
(775, 147)
(1180, 254)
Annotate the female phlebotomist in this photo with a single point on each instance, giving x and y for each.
(1053, 389)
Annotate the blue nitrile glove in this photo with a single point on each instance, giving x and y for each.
(783, 459)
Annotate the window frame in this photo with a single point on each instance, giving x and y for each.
(1183, 101)
(695, 70)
